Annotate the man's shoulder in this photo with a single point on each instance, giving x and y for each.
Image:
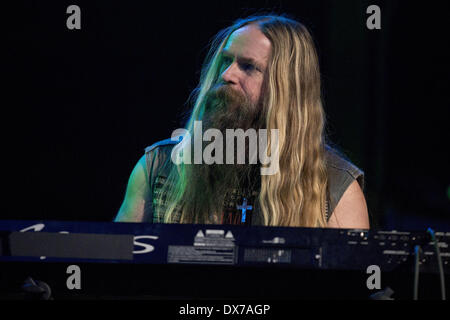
(164, 144)
(341, 174)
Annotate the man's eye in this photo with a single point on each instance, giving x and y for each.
(247, 67)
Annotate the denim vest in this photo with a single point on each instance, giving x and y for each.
(341, 173)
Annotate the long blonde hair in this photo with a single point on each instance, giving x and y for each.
(296, 195)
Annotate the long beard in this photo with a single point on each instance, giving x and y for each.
(226, 108)
(209, 185)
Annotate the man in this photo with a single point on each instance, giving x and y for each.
(261, 73)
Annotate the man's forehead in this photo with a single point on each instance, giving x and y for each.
(249, 42)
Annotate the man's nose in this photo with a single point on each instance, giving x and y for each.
(230, 74)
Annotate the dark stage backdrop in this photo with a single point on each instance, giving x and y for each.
(81, 105)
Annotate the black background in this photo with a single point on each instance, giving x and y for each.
(81, 105)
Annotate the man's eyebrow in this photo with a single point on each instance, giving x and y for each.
(244, 59)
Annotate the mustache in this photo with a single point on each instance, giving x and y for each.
(222, 95)
(228, 108)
